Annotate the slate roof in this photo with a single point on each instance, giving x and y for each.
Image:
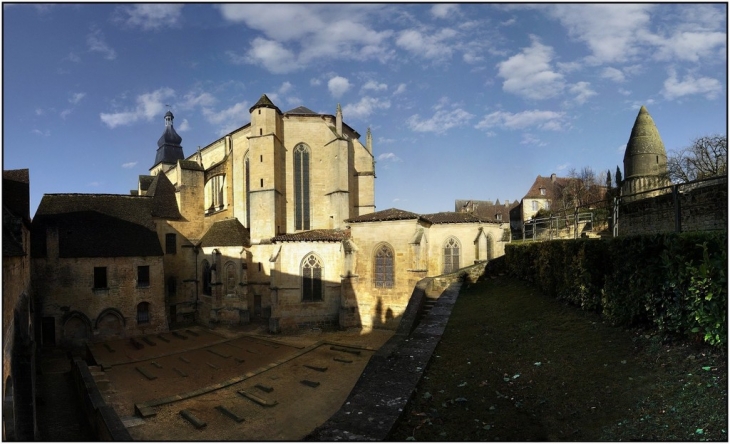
(384, 215)
(190, 165)
(314, 236)
(301, 110)
(145, 182)
(96, 225)
(264, 102)
(164, 203)
(226, 233)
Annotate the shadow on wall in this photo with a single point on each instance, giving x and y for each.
(384, 319)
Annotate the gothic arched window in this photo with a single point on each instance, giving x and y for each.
(301, 187)
(383, 275)
(312, 271)
(451, 255)
(214, 193)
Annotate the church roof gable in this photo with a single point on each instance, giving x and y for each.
(330, 235)
(385, 215)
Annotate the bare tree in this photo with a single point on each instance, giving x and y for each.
(581, 188)
(706, 157)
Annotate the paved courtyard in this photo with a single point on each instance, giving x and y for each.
(245, 385)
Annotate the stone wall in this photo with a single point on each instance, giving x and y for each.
(64, 287)
(701, 207)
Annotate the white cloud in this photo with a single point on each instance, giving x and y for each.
(364, 108)
(338, 86)
(184, 126)
(149, 106)
(529, 139)
(613, 74)
(562, 167)
(228, 119)
(39, 111)
(610, 30)
(544, 120)
(429, 45)
(528, 74)
(400, 89)
(444, 10)
(621, 148)
(150, 16)
(95, 42)
(297, 35)
(624, 92)
(65, 113)
(372, 85)
(691, 46)
(391, 157)
(129, 165)
(285, 88)
(271, 54)
(442, 121)
(315, 82)
(72, 57)
(45, 133)
(193, 99)
(582, 92)
(674, 88)
(76, 97)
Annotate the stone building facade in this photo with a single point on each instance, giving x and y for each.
(274, 222)
(18, 321)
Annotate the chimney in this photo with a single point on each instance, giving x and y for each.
(553, 177)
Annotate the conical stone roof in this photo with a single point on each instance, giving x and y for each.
(645, 154)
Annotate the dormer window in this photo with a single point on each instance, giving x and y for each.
(542, 191)
(499, 216)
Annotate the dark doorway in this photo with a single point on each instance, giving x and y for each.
(257, 305)
(173, 313)
(48, 325)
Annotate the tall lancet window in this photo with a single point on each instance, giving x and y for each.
(451, 255)
(312, 272)
(301, 187)
(383, 275)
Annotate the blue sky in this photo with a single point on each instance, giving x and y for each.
(465, 101)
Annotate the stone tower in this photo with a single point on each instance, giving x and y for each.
(645, 159)
(267, 194)
(169, 150)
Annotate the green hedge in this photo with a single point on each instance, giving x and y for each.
(677, 282)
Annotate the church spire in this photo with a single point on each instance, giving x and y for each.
(169, 150)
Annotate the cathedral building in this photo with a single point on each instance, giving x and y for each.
(274, 221)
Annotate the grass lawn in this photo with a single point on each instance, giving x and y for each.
(515, 365)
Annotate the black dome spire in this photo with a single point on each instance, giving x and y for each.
(169, 150)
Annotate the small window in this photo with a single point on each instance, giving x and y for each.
(100, 277)
(262, 183)
(261, 158)
(171, 243)
(143, 313)
(171, 286)
(542, 191)
(499, 216)
(143, 276)
(534, 206)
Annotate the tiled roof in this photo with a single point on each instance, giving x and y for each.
(552, 187)
(226, 233)
(486, 209)
(452, 217)
(389, 214)
(96, 225)
(314, 236)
